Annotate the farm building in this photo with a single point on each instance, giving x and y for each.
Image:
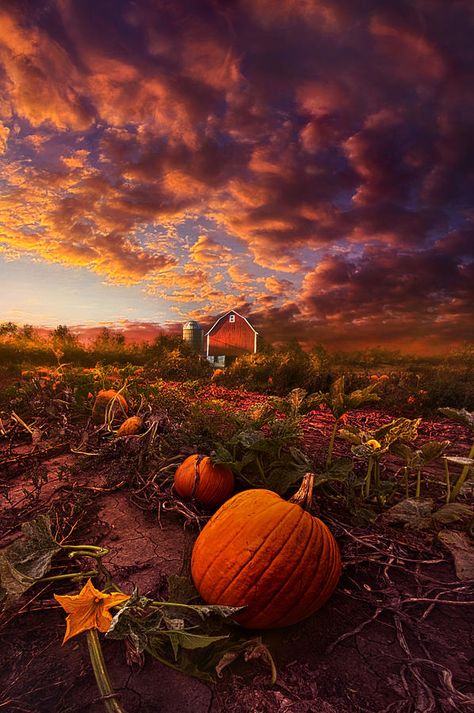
(193, 335)
(230, 336)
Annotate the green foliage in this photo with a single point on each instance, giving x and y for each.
(192, 639)
(398, 430)
(340, 403)
(265, 452)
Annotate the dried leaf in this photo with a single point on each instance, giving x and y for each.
(181, 589)
(411, 512)
(460, 460)
(453, 512)
(462, 550)
(466, 418)
(27, 559)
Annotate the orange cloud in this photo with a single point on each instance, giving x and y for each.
(44, 84)
(208, 251)
(4, 133)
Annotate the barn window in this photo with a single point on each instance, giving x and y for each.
(232, 318)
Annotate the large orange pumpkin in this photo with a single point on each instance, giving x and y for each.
(200, 478)
(268, 555)
(103, 399)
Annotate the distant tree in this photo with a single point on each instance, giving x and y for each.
(8, 328)
(28, 331)
(63, 335)
(319, 357)
(293, 346)
(109, 340)
(61, 332)
(264, 347)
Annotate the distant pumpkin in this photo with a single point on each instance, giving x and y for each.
(130, 426)
(200, 478)
(103, 399)
(268, 555)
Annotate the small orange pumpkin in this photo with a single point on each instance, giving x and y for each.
(268, 555)
(200, 478)
(130, 426)
(102, 400)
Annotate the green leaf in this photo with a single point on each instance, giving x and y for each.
(401, 429)
(432, 450)
(281, 477)
(221, 455)
(403, 450)
(185, 640)
(181, 589)
(337, 397)
(361, 396)
(176, 635)
(27, 559)
(339, 470)
(352, 435)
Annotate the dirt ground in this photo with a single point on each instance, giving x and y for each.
(384, 643)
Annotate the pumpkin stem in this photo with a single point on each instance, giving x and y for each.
(304, 495)
(197, 474)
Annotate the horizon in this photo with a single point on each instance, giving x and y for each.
(308, 164)
(137, 334)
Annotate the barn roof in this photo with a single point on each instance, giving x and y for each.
(231, 311)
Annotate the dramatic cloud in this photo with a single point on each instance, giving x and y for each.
(309, 161)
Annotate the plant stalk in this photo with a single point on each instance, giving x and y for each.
(460, 481)
(331, 443)
(448, 480)
(101, 674)
(418, 483)
(368, 478)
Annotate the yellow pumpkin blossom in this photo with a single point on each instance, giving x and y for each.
(375, 445)
(89, 609)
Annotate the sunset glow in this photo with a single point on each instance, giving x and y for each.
(307, 163)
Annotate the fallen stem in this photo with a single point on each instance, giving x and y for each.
(71, 575)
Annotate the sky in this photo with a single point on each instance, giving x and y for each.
(309, 163)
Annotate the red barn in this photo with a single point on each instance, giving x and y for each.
(231, 336)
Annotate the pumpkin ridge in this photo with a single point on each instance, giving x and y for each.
(233, 536)
(327, 546)
(262, 544)
(335, 569)
(286, 582)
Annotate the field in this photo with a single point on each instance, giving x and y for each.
(393, 482)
